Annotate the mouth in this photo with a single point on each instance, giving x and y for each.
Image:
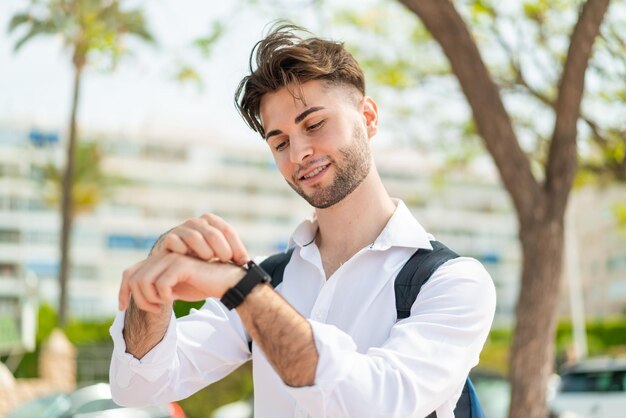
(313, 175)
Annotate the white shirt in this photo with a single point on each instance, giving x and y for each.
(369, 365)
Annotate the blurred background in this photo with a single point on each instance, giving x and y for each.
(141, 96)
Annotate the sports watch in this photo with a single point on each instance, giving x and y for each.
(235, 295)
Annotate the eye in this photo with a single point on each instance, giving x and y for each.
(316, 126)
(281, 145)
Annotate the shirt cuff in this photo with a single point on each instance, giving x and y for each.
(124, 366)
(336, 351)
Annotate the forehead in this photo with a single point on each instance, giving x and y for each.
(289, 101)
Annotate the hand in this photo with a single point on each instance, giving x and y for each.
(207, 237)
(167, 276)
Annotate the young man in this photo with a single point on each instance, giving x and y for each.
(326, 342)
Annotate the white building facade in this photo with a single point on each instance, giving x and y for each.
(165, 181)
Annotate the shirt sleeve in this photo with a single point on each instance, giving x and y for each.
(197, 349)
(424, 362)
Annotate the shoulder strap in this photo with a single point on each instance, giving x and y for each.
(408, 284)
(416, 272)
(275, 265)
(476, 411)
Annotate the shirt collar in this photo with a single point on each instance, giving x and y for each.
(305, 232)
(402, 230)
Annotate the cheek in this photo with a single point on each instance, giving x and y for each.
(283, 164)
(342, 135)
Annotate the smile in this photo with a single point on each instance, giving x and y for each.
(314, 173)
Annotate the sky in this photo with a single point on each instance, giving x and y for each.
(140, 99)
(141, 96)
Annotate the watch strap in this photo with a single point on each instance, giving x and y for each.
(236, 294)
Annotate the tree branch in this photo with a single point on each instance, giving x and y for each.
(519, 76)
(608, 142)
(562, 158)
(522, 81)
(597, 136)
(492, 120)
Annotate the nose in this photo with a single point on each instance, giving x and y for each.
(300, 149)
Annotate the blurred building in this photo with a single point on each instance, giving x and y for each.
(162, 182)
(597, 251)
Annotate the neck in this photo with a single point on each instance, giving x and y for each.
(358, 219)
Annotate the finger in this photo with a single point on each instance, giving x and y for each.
(196, 240)
(174, 277)
(218, 243)
(141, 281)
(124, 292)
(141, 301)
(238, 250)
(187, 279)
(240, 254)
(172, 242)
(165, 288)
(123, 298)
(149, 292)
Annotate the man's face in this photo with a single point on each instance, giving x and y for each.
(320, 142)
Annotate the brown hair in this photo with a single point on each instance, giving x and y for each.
(283, 58)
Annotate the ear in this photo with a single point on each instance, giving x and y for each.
(370, 114)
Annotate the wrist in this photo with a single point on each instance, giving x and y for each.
(259, 291)
(232, 276)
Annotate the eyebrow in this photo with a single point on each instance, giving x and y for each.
(297, 120)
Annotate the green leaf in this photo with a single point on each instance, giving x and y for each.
(205, 44)
(90, 184)
(481, 8)
(33, 32)
(187, 73)
(18, 20)
(86, 26)
(536, 10)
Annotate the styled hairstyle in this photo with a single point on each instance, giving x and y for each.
(284, 59)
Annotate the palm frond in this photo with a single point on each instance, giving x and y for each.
(37, 27)
(27, 37)
(133, 22)
(18, 20)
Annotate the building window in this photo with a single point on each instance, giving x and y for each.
(44, 270)
(9, 236)
(130, 242)
(9, 170)
(40, 237)
(85, 272)
(8, 270)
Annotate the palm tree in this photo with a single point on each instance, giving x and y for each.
(90, 185)
(86, 26)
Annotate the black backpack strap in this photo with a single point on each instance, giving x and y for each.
(274, 265)
(408, 284)
(416, 272)
(463, 408)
